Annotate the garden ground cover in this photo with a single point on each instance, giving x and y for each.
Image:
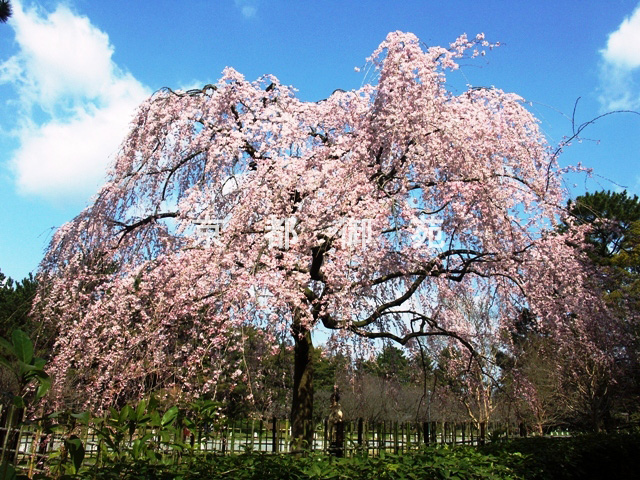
(581, 457)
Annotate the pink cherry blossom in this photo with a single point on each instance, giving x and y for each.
(142, 301)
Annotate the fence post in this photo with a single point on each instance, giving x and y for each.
(360, 431)
(523, 430)
(336, 445)
(404, 432)
(285, 442)
(395, 437)
(224, 431)
(325, 434)
(11, 438)
(274, 435)
(4, 428)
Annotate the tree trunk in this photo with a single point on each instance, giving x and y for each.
(302, 405)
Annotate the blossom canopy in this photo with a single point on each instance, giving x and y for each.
(445, 195)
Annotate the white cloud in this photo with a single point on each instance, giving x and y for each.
(623, 44)
(620, 88)
(248, 8)
(74, 103)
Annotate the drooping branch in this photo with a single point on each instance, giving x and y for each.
(128, 228)
(404, 339)
(390, 304)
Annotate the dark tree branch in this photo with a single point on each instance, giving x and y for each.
(128, 228)
(393, 303)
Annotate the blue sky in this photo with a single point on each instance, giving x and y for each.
(72, 72)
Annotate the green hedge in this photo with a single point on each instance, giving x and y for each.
(584, 457)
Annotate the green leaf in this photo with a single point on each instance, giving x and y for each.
(154, 419)
(140, 409)
(43, 388)
(33, 372)
(18, 401)
(39, 363)
(135, 448)
(169, 416)
(125, 414)
(83, 417)
(105, 436)
(7, 471)
(76, 452)
(153, 455)
(6, 346)
(22, 346)
(5, 362)
(153, 402)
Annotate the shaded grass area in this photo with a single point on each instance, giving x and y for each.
(581, 457)
(585, 457)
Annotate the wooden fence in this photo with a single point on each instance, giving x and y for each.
(28, 446)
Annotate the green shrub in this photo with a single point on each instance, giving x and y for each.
(434, 463)
(584, 457)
